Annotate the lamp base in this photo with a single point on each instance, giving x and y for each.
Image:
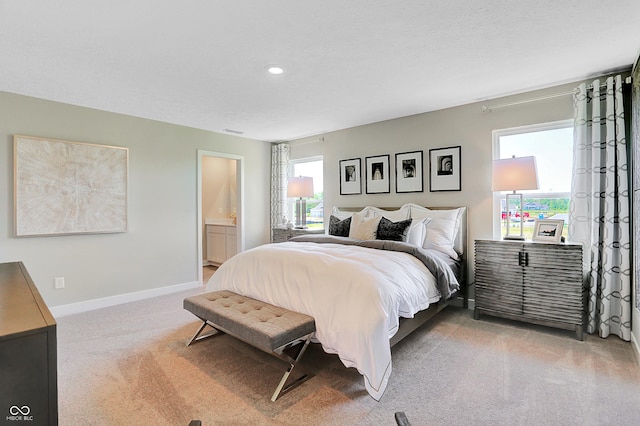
(514, 237)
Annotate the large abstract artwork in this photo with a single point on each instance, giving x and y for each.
(63, 187)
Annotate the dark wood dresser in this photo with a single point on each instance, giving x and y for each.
(28, 352)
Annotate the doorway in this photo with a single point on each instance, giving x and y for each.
(232, 205)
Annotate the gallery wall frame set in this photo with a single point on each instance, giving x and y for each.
(63, 187)
(444, 172)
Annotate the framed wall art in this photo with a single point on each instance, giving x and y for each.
(549, 230)
(409, 176)
(444, 169)
(377, 174)
(350, 176)
(63, 187)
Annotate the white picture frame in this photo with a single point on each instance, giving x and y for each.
(63, 187)
(548, 230)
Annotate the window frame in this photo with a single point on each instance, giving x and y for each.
(496, 135)
(290, 168)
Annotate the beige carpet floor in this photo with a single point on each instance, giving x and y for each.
(128, 365)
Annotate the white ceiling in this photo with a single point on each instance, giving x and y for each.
(201, 63)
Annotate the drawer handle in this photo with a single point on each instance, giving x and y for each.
(523, 258)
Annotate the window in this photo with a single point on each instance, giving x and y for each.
(315, 206)
(552, 145)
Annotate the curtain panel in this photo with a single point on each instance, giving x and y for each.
(279, 176)
(599, 215)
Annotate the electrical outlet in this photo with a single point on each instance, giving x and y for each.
(59, 282)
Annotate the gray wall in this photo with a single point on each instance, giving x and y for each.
(160, 248)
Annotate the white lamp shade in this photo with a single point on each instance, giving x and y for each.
(301, 186)
(514, 174)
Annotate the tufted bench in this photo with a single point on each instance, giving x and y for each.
(270, 328)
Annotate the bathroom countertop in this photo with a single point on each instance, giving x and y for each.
(219, 221)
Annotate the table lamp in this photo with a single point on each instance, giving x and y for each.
(513, 174)
(300, 187)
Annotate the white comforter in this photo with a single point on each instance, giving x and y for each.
(355, 294)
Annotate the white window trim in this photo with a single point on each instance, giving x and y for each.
(496, 135)
(290, 174)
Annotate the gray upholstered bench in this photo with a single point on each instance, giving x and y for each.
(267, 327)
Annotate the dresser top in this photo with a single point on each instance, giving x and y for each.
(520, 242)
(22, 309)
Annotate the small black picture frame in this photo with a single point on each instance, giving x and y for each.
(444, 169)
(377, 174)
(409, 175)
(350, 176)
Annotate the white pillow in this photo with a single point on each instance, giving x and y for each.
(393, 215)
(363, 227)
(341, 214)
(442, 229)
(417, 231)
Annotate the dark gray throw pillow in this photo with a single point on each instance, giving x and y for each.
(339, 227)
(394, 231)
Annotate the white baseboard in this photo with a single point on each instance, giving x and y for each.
(90, 305)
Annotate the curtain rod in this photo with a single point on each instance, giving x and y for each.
(320, 139)
(489, 108)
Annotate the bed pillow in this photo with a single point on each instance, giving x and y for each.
(363, 227)
(394, 231)
(417, 231)
(442, 229)
(339, 227)
(393, 215)
(340, 214)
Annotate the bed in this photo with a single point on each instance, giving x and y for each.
(376, 276)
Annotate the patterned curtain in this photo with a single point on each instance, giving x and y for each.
(279, 169)
(599, 209)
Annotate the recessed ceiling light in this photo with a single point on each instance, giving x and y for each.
(275, 69)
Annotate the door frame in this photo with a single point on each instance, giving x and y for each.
(239, 202)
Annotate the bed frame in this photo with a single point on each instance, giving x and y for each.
(408, 325)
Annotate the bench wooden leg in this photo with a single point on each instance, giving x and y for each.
(281, 389)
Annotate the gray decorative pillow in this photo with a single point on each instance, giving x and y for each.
(339, 227)
(395, 231)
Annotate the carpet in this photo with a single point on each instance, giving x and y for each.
(129, 365)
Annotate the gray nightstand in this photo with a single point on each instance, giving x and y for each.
(540, 283)
(280, 235)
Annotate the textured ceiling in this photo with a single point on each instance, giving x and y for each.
(201, 63)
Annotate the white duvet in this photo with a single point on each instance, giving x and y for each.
(355, 294)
